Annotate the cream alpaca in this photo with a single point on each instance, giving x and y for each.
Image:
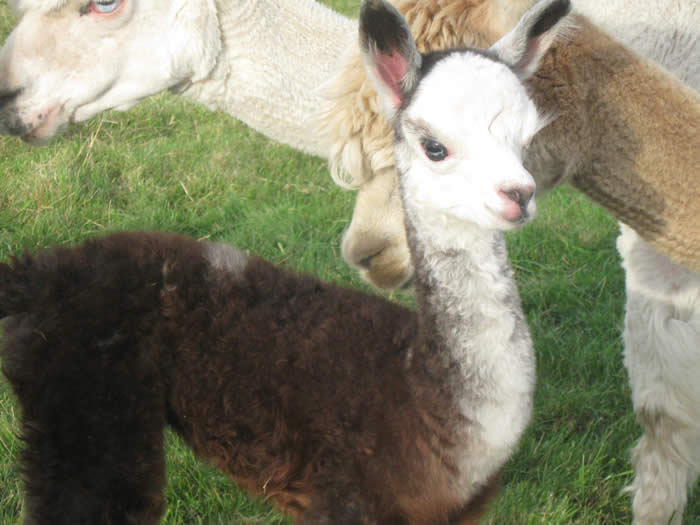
(231, 55)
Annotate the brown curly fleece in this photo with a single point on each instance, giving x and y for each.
(297, 389)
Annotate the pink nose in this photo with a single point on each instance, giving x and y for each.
(517, 198)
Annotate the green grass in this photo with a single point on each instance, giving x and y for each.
(172, 165)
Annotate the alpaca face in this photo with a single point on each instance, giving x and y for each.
(462, 136)
(461, 117)
(69, 60)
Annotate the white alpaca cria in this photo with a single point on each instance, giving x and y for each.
(341, 407)
(259, 60)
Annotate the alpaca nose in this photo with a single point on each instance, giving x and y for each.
(521, 195)
(7, 97)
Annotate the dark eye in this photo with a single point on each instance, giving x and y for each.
(433, 149)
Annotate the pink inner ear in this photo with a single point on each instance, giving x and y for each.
(392, 70)
(533, 46)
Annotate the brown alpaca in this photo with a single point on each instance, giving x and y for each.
(341, 407)
(633, 127)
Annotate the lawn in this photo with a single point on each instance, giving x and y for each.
(171, 165)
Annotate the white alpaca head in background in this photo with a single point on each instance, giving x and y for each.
(68, 60)
(462, 118)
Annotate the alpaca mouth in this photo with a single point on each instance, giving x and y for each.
(511, 220)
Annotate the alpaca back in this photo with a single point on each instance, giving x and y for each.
(71, 292)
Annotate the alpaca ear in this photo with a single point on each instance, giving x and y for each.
(524, 46)
(389, 53)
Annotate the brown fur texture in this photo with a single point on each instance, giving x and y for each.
(300, 391)
(627, 134)
(631, 129)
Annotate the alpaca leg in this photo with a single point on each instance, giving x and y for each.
(472, 514)
(662, 357)
(337, 507)
(94, 445)
(666, 463)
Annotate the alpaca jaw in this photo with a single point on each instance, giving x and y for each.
(49, 82)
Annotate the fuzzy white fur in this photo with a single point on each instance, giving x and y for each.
(662, 357)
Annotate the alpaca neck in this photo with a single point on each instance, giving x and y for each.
(665, 32)
(474, 339)
(275, 55)
(625, 134)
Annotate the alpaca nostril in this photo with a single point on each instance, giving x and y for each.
(513, 195)
(6, 97)
(365, 263)
(521, 195)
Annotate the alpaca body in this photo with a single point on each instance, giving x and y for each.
(655, 149)
(259, 60)
(340, 407)
(635, 127)
(155, 328)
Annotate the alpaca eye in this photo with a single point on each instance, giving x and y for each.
(104, 7)
(434, 150)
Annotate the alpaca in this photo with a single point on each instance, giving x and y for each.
(68, 61)
(339, 406)
(662, 329)
(607, 101)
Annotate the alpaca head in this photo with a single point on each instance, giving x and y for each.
(68, 60)
(461, 117)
